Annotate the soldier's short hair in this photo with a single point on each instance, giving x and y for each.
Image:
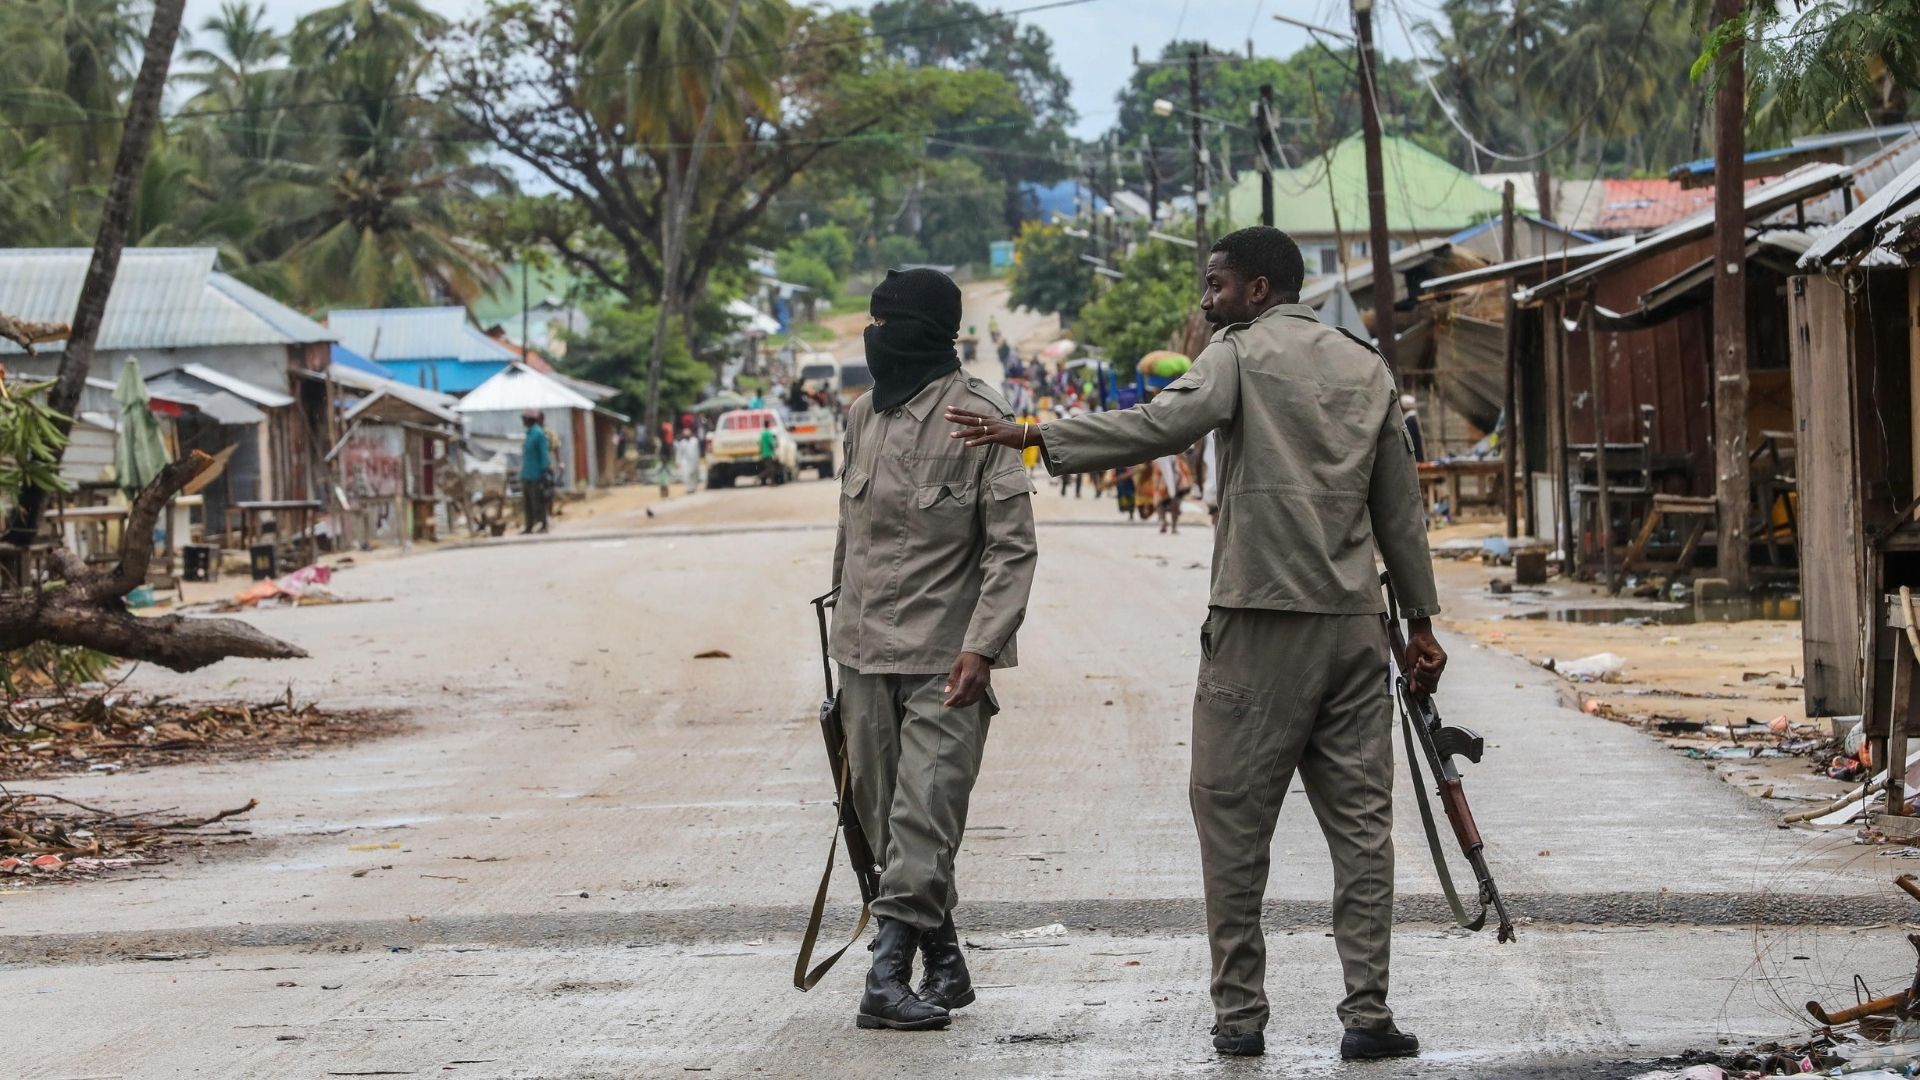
(1264, 251)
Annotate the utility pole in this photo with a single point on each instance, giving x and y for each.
(1509, 442)
(1263, 138)
(1153, 181)
(1376, 186)
(1731, 468)
(1200, 197)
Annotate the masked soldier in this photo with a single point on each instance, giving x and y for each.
(934, 560)
(1315, 473)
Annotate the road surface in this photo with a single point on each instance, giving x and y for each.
(590, 855)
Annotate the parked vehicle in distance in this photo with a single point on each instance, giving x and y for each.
(855, 379)
(733, 448)
(816, 435)
(818, 370)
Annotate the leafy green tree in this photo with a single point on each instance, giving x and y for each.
(830, 245)
(960, 211)
(1824, 63)
(1141, 312)
(614, 349)
(896, 251)
(1048, 274)
(803, 268)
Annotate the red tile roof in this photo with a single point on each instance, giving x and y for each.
(1634, 206)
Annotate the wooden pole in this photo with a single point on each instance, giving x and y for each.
(1732, 471)
(1602, 480)
(1376, 187)
(1554, 336)
(1200, 197)
(1268, 152)
(1508, 454)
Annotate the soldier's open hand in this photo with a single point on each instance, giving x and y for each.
(967, 682)
(982, 430)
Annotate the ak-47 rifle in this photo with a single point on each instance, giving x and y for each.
(847, 823)
(1437, 743)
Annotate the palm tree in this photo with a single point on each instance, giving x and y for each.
(649, 62)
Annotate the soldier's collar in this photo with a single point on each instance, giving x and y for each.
(920, 406)
(1277, 311)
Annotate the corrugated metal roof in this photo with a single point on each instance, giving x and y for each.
(163, 298)
(259, 395)
(519, 388)
(220, 405)
(441, 333)
(1760, 203)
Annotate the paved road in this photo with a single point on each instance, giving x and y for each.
(589, 856)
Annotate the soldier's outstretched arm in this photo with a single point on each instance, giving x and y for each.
(1203, 399)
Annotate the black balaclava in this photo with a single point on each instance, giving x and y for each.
(915, 344)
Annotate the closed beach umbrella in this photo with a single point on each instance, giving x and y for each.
(138, 454)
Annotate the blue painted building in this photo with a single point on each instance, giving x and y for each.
(434, 348)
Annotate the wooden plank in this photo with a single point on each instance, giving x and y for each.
(1833, 557)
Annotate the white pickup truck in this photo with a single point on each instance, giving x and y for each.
(816, 434)
(733, 448)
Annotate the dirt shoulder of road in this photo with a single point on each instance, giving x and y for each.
(1672, 676)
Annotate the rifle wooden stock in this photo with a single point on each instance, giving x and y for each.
(1453, 796)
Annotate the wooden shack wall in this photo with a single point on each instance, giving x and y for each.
(1670, 365)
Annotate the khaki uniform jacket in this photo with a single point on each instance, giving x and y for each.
(1315, 466)
(936, 550)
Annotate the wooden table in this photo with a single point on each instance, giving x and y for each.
(88, 530)
(1489, 480)
(298, 516)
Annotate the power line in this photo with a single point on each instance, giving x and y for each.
(103, 117)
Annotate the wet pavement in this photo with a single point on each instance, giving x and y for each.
(590, 854)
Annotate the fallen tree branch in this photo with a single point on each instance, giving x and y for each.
(28, 334)
(136, 539)
(195, 823)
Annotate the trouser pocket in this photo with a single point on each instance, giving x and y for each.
(1226, 721)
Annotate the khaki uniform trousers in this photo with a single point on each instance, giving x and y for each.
(914, 762)
(1278, 692)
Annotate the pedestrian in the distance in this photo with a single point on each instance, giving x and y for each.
(686, 453)
(536, 465)
(1316, 473)
(769, 449)
(934, 560)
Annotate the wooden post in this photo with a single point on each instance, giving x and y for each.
(1732, 471)
(1376, 188)
(1200, 198)
(1509, 455)
(1605, 516)
(1268, 152)
(1559, 463)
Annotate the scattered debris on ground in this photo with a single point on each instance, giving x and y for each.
(104, 730)
(48, 837)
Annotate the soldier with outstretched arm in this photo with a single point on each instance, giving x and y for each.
(934, 560)
(1315, 474)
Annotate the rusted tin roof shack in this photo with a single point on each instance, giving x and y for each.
(1626, 365)
(1855, 338)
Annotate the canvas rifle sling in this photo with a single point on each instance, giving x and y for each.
(803, 978)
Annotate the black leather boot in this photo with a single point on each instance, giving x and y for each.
(1360, 1044)
(1245, 1044)
(890, 1001)
(946, 982)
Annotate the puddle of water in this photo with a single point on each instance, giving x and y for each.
(1765, 609)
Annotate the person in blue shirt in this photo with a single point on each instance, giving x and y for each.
(536, 462)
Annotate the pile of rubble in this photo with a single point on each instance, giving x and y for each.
(104, 730)
(48, 837)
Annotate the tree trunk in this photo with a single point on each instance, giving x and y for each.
(116, 216)
(1732, 470)
(674, 227)
(86, 608)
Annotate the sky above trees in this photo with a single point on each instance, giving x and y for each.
(1093, 41)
